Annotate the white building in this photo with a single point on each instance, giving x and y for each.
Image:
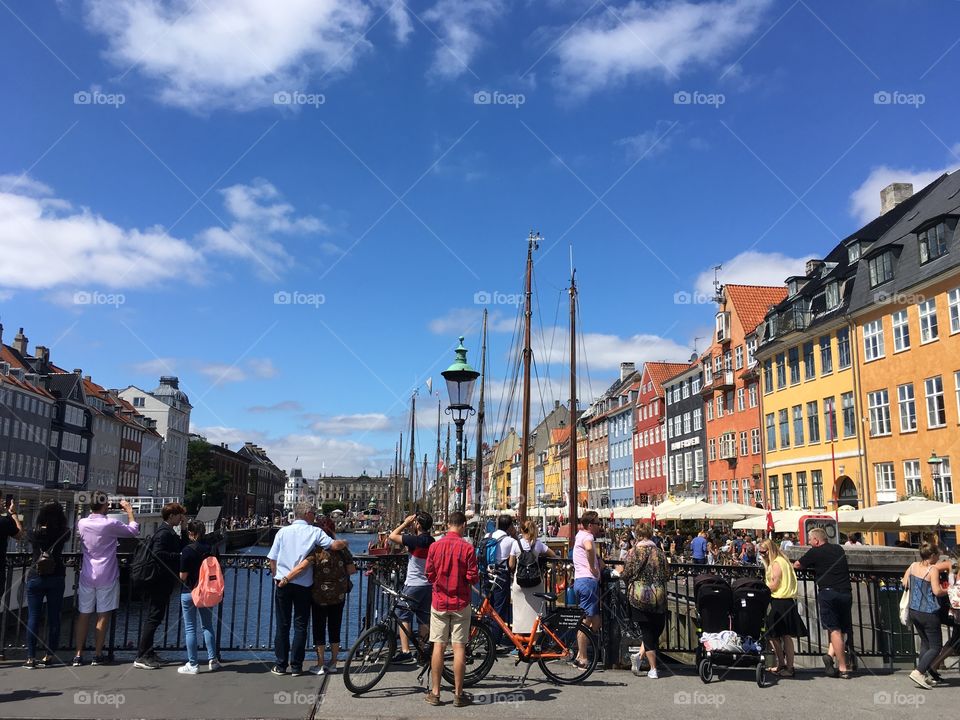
(297, 489)
(170, 407)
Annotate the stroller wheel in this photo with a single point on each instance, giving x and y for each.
(705, 668)
(761, 674)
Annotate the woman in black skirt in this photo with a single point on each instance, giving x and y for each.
(783, 622)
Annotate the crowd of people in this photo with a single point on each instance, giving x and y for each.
(312, 570)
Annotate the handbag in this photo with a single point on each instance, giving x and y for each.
(46, 564)
(905, 605)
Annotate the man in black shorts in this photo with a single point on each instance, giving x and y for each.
(416, 585)
(835, 598)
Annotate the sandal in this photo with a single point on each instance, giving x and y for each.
(846, 675)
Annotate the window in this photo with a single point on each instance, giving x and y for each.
(709, 410)
(751, 350)
(816, 481)
(768, 376)
(794, 359)
(695, 384)
(781, 371)
(802, 489)
(833, 295)
(720, 405)
(687, 467)
(744, 443)
(953, 303)
(727, 360)
(878, 403)
(755, 441)
(686, 423)
(698, 465)
(784, 422)
(826, 356)
(697, 419)
(774, 492)
(717, 360)
(787, 490)
(928, 321)
(943, 486)
(873, 340)
(829, 418)
(809, 369)
(741, 396)
(853, 252)
(685, 389)
(712, 449)
(771, 432)
(933, 242)
(881, 268)
(739, 357)
(707, 373)
(843, 348)
(901, 331)
(752, 394)
(907, 406)
(728, 402)
(139, 401)
(936, 412)
(813, 423)
(886, 482)
(911, 477)
(849, 415)
(798, 425)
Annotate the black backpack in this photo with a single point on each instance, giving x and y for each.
(143, 568)
(528, 573)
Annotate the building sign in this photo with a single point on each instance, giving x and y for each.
(689, 442)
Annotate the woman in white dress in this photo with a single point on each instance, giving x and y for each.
(525, 605)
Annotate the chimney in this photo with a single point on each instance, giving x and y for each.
(77, 371)
(171, 380)
(556, 404)
(813, 267)
(20, 342)
(42, 353)
(1, 334)
(626, 368)
(894, 194)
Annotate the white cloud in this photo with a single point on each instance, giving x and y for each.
(262, 367)
(468, 321)
(396, 12)
(282, 406)
(752, 268)
(649, 143)
(346, 424)
(233, 53)
(460, 23)
(663, 39)
(865, 200)
(220, 373)
(156, 367)
(24, 185)
(604, 352)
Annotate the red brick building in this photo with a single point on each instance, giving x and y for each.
(731, 395)
(649, 437)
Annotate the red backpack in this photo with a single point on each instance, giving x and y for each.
(209, 590)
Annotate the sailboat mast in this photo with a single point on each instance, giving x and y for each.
(397, 490)
(408, 503)
(437, 492)
(572, 487)
(527, 358)
(478, 483)
(446, 481)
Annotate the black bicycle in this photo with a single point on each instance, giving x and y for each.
(370, 657)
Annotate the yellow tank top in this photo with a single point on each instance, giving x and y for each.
(788, 579)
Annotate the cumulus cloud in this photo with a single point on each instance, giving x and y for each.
(466, 321)
(220, 373)
(346, 424)
(649, 143)
(865, 200)
(234, 53)
(460, 24)
(155, 367)
(653, 39)
(752, 268)
(282, 406)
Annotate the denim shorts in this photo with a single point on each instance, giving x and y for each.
(421, 608)
(836, 610)
(588, 595)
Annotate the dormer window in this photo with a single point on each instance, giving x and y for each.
(853, 252)
(833, 295)
(881, 268)
(723, 326)
(793, 287)
(933, 242)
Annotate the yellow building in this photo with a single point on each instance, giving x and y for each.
(501, 459)
(553, 468)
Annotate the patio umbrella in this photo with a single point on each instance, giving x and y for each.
(695, 510)
(733, 511)
(783, 520)
(948, 516)
(887, 516)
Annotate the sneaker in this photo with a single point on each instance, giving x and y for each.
(331, 669)
(294, 670)
(920, 680)
(48, 661)
(932, 681)
(215, 665)
(431, 699)
(652, 674)
(146, 663)
(78, 661)
(153, 656)
(463, 700)
(937, 678)
(100, 660)
(402, 657)
(316, 670)
(188, 669)
(277, 670)
(30, 664)
(830, 668)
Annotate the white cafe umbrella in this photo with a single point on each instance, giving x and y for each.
(948, 516)
(696, 510)
(734, 511)
(783, 520)
(887, 516)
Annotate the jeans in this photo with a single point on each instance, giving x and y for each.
(293, 603)
(927, 626)
(190, 612)
(500, 599)
(38, 588)
(157, 602)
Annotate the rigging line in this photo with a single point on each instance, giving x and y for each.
(543, 346)
(511, 358)
(536, 371)
(583, 350)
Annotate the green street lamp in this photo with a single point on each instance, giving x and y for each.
(935, 464)
(460, 379)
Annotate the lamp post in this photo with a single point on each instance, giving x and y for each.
(935, 464)
(460, 379)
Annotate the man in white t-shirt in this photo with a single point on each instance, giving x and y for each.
(504, 537)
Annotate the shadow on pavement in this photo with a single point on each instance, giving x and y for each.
(18, 695)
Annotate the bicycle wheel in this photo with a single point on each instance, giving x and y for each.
(368, 659)
(563, 669)
(481, 654)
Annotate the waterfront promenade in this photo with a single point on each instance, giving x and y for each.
(245, 689)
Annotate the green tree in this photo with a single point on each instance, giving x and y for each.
(202, 478)
(329, 507)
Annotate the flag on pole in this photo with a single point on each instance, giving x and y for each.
(653, 516)
(430, 385)
(770, 523)
(441, 466)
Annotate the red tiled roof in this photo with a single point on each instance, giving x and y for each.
(659, 372)
(559, 435)
(752, 302)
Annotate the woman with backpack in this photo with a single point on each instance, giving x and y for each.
(525, 564)
(331, 584)
(45, 580)
(645, 575)
(192, 564)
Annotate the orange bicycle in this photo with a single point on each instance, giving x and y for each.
(554, 640)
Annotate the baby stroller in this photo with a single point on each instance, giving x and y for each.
(741, 609)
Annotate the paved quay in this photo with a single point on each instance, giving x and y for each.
(245, 689)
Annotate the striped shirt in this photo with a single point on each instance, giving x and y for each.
(451, 569)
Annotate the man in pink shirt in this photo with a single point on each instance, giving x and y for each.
(99, 588)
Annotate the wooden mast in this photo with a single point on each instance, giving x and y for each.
(527, 358)
(446, 482)
(572, 487)
(478, 483)
(408, 504)
(437, 493)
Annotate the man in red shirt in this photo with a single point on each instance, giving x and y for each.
(451, 570)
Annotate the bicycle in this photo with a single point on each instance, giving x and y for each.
(552, 642)
(370, 657)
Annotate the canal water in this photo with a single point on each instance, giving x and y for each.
(245, 622)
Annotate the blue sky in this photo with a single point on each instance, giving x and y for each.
(172, 172)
